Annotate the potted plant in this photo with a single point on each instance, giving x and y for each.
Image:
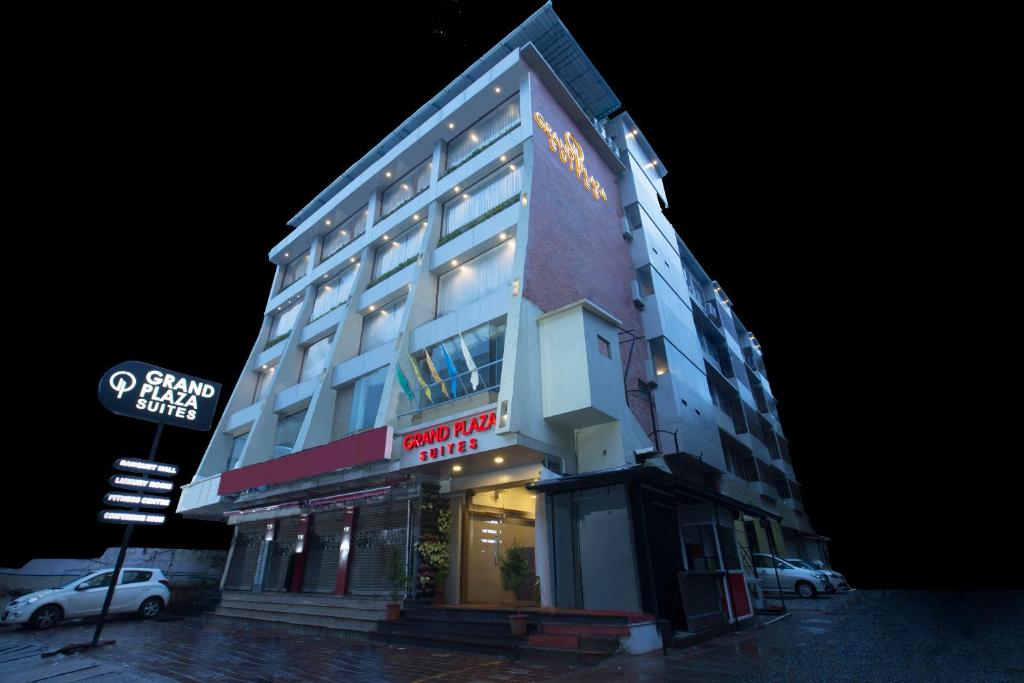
(515, 571)
(436, 560)
(394, 574)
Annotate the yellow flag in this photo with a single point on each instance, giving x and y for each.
(416, 370)
(436, 376)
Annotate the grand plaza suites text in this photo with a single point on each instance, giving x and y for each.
(486, 338)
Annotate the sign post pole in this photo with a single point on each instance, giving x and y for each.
(121, 553)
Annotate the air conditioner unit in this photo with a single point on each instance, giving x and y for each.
(638, 300)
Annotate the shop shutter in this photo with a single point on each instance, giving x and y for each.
(377, 529)
(280, 557)
(342, 412)
(323, 548)
(246, 551)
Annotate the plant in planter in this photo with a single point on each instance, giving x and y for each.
(434, 552)
(515, 574)
(394, 574)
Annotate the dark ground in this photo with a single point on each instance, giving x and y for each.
(864, 636)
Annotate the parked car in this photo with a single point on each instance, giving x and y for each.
(838, 581)
(803, 582)
(143, 590)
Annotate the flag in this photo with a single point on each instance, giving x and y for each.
(436, 375)
(474, 377)
(451, 370)
(416, 370)
(403, 382)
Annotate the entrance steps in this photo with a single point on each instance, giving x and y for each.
(352, 616)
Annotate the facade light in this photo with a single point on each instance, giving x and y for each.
(415, 216)
(454, 263)
(328, 221)
(457, 189)
(501, 236)
(405, 186)
(451, 124)
(456, 468)
(498, 460)
(503, 157)
(352, 260)
(497, 89)
(286, 254)
(385, 238)
(387, 174)
(372, 308)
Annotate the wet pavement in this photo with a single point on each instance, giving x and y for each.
(864, 636)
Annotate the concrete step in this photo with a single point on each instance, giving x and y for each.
(285, 617)
(312, 610)
(324, 599)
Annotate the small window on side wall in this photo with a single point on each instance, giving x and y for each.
(603, 347)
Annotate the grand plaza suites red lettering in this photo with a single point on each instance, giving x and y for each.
(449, 438)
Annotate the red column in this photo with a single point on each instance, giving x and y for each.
(348, 529)
(299, 568)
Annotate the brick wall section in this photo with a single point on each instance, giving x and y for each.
(576, 250)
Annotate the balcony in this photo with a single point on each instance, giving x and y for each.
(465, 390)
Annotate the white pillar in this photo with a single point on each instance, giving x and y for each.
(542, 552)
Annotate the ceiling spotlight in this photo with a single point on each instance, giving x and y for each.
(372, 308)
(498, 460)
(387, 174)
(454, 262)
(497, 88)
(328, 221)
(451, 124)
(456, 468)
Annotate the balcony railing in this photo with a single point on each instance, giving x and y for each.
(456, 387)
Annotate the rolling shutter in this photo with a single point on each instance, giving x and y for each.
(246, 551)
(282, 550)
(378, 528)
(323, 546)
(342, 412)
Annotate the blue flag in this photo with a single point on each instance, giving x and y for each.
(451, 369)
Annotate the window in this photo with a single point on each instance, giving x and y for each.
(366, 400)
(334, 292)
(476, 278)
(349, 229)
(237, 446)
(98, 581)
(399, 251)
(603, 347)
(658, 355)
(465, 364)
(287, 432)
(382, 325)
(135, 577)
(295, 270)
(314, 361)
(503, 185)
(284, 322)
(489, 128)
(263, 383)
(699, 547)
(404, 189)
(645, 281)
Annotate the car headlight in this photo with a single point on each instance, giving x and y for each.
(21, 602)
(819, 577)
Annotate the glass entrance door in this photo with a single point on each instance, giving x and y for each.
(489, 535)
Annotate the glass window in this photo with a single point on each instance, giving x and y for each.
(476, 278)
(603, 347)
(465, 364)
(314, 361)
(405, 188)
(381, 325)
(334, 292)
(263, 382)
(284, 321)
(235, 456)
(366, 400)
(645, 281)
(98, 581)
(489, 128)
(295, 270)
(346, 231)
(658, 355)
(699, 546)
(135, 577)
(287, 432)
(503, 185)
(401, 250)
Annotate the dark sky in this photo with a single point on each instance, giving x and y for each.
(157, 166)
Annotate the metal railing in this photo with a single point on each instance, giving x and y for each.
(456, 387)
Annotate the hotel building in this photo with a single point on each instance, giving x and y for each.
(486, 331)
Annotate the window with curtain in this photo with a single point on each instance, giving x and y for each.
(463, 371)
(287, 432)
(489, 128)
(235, 456)
(405, 188)
(366, 400)
(500, 186)
(399, 250)
(315, 359)
(381, 325)
(349, 229)
(295, 270)
(263, 383)
(334, 292)
(476, 278)
(284, 321)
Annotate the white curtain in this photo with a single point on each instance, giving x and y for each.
(409, 185)
(285, 320)
(315, 359)
(349, 229)
(503, 184)
(331, 295)
(295, 270)
(476, 278)
(381, 325)
(398, 250)
(366, 400)
(490, 127)
(263, 384)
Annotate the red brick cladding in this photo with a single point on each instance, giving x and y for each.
(575, 249)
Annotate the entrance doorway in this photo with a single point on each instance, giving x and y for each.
(496, 521)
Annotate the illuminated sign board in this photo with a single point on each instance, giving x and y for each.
(570, 151)
(148, 392)
(135, 500)
(129, 517)
(159, 469)
(449, 438)
(123, 481)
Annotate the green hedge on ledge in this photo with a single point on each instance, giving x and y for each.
(479, 219)
(384, 276)
(480, 149)
(279, 338)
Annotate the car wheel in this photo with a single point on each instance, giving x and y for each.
(46, 617)
(806, 589)
(150, 607)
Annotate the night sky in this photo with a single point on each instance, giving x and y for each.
(158, 167)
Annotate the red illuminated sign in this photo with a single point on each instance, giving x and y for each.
(449, 439)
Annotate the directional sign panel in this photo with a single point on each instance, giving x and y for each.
(148, 392)
(156, 469)
(130, 500)
(124, 481)
(130, 517)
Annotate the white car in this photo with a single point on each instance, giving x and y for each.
(803, 582)
(141, 589)
(838, 581)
